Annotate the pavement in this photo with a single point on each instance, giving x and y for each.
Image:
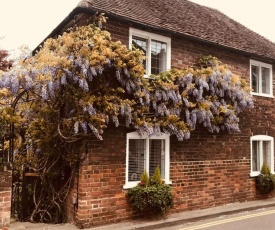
(170, 220)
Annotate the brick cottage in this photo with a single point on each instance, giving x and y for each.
(206, 170)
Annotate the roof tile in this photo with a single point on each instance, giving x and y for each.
(187, 18)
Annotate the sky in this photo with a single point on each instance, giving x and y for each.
(29, 22)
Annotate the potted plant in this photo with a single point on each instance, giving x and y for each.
(151, 195)
(265, 182)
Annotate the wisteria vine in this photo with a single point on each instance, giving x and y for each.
(90, 81)
(82, 82)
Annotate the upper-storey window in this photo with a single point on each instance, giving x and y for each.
(261, 78)
(156, 48)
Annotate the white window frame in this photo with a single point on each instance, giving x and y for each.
(261, 138)
(135, 135)
(151, 36)
(261, 64)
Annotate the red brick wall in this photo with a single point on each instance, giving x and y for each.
(207, 170)
(211, 170)
(5, 197)
(101, 198)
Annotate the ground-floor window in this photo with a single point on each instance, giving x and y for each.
(262, 151)
(145, 153)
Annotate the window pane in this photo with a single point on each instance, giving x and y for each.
(136, 159)
(142, 44)
(255, 78)
(158, 57)
(267, 153)
(265, 80)
(256, 156)
(157, 156)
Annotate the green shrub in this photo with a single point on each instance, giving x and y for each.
(156, 178)
(144, 178)
(265, 169)
(265, 182)
(154, 198)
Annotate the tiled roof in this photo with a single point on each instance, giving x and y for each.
(189, 19)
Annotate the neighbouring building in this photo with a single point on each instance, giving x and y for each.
(206, 170)
(5, 196)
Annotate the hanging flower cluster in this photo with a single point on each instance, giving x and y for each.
(87, 81)
(207, 95)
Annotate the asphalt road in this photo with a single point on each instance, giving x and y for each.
(262, 219)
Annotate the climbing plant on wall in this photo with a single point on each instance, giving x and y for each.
(82, 82)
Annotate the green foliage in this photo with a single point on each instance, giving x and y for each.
(265, 182)
(265, 169)
(7, 115)
(154, 198)
(144, 178)
(156, 178)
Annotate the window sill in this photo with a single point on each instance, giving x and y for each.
(255, 174)
(130, 185)
(135, 183)
(262, 95)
